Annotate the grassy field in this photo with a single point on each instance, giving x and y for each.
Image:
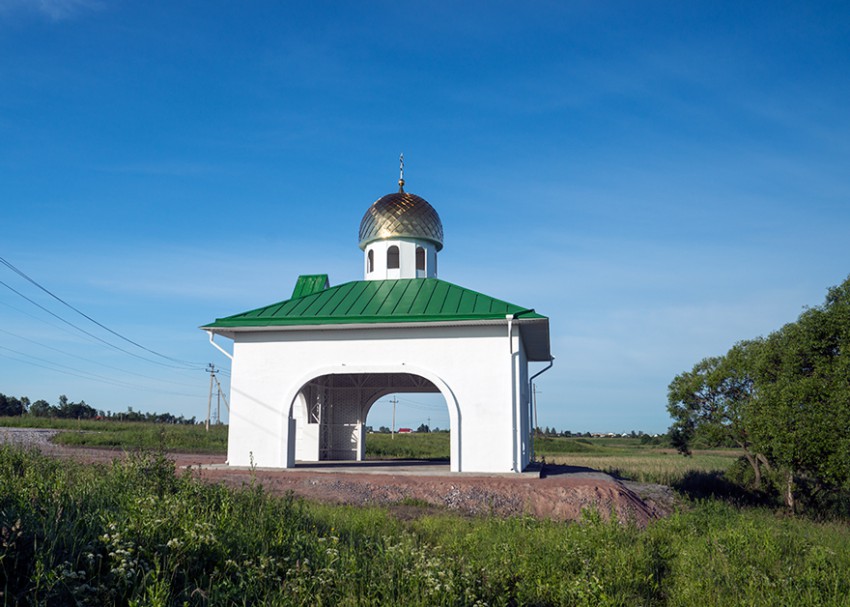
(141, 435)
(134, 533)
(623, 457)
(128, 436)
(659, 466)
(433, 445)
(629, 458)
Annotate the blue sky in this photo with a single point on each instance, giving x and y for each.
(661, 179)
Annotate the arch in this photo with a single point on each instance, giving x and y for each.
(420, 259)
(393, 261)
(370, 261)
(455, 416)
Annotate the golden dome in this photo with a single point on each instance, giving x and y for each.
(401, 215)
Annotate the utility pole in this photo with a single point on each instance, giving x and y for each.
(221, 394)
(211, 371)
(534, 402)
(394, 401)
(535, 430)
(218, 405)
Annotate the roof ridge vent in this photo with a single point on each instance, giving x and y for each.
(307, 284)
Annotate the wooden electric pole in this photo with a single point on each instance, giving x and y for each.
(211, 371)
(394, 401)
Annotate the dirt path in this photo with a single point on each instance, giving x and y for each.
(561, 493)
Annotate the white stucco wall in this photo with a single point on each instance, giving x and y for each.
(481, 374)
(306, 434)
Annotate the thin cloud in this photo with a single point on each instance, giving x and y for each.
(55, 10)
(172, 169)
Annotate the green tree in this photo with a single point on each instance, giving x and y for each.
(784, 400)
(801, 417)
(713, 401)
(41, 408)
(12, 406)
(71, 410)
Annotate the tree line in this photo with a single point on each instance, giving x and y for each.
(547, 432)
(783, 399)
(12, 406)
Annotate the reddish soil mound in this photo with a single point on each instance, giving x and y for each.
(561, 497)
(562, 494)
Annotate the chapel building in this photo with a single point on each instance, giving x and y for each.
(306, 370)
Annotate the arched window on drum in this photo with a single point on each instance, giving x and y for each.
(420, 259)
(392, 258)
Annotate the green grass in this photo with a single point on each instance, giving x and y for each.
(134, 533)
(435, 445)
(426, 445)
(140, 435)
(628, 458)
(658, 467)
(549, 445)
(27, 421)
(624, 457)
(128, 436)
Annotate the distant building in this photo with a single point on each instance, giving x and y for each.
(307, 370)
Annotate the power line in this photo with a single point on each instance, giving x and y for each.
(67, 370)
(38, 318)
(91, 360)
(88, 338)
(423, 406)
(84, 315)
(81, 330)
(416, 404)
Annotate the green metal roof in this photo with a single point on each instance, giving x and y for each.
(310, 283)
(376, 301)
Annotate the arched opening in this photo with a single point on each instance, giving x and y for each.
(392, 258)
(330, 419)
(420, 259)
(370, 261)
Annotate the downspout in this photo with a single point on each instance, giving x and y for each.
(517, 412)
(510, 318)
(218, 347)
(534, 404)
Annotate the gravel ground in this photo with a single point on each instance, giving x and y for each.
(28, 437)
(561, 492)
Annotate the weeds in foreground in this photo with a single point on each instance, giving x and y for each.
(136, 533)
